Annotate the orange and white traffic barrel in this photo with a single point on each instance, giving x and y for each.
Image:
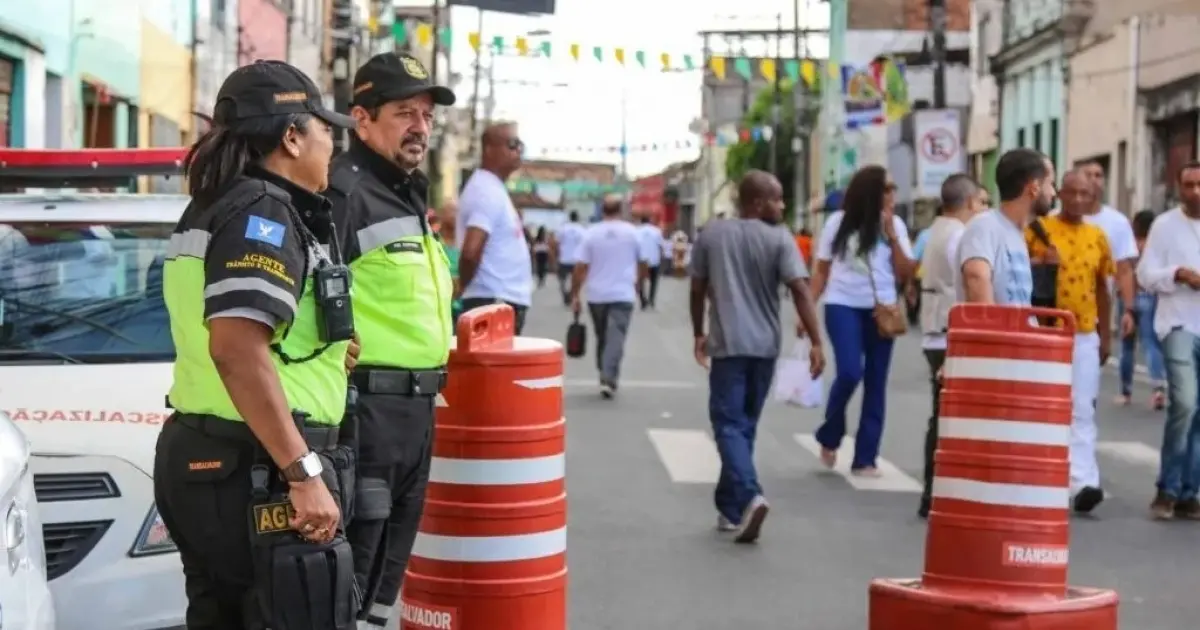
(490, 552)
(997, 546)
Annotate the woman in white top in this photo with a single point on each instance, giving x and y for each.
(862, 256)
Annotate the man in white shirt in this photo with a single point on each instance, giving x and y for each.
(610, 271)
(962, 199)
(650, 239)
(1121, 243)
(494, 267)
(1170, 268)
(568, 240)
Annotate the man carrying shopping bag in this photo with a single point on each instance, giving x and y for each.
(794, 382)
(740, 264)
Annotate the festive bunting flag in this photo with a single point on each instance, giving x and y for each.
(665, 58)
(619, 55)
(791, 68)
(446, 36)
(545, 48)
(598, 53)
(575, 51)
(498, 43)
(424, 34)
(522, 45)
(767, 68)
(718, 67)
(474, 40)
(741, 65)
(640, 57)
(688, 64)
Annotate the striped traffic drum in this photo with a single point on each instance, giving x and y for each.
(490, 553)
(1000, 512)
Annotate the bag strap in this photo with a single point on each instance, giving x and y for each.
(871, 278)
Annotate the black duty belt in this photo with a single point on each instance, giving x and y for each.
(317, 437)
(373, 380)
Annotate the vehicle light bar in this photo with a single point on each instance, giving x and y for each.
(86, 168)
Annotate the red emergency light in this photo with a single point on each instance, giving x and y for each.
(86, 168)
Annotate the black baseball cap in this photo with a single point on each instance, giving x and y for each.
(272, 88)
(395, 77)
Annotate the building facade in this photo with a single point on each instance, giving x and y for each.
(1133, 93)
(215, 48)
(262, 31)
(983, 124)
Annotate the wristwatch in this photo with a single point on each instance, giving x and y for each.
(308, 466)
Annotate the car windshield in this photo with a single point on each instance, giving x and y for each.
(83, 292)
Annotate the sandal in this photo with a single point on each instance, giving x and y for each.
(828, 457)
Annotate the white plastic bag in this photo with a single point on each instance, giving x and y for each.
(794, 383)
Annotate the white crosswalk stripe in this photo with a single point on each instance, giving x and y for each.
(689, 456)
(890, 479)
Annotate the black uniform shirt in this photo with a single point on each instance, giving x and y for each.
(367, 189)
(259, 255)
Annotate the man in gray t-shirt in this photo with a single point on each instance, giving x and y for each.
(740, 264)
(996, 240)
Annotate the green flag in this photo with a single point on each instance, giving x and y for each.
(545, 47)
(640, 56)
(399, 32)
(446, 36)
(742, 67)
(598, 53)
(688, 63)
(792, 68)
(498, 44)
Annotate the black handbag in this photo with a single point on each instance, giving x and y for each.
(1045, 275)
(576, 338)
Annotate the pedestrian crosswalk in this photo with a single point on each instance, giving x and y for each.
(689, 456)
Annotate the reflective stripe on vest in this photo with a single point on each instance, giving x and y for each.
(402, 292)
(317, 387)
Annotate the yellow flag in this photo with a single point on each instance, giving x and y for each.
(665, 58)
(718, 67)
(575, 52)
(424, 34)
(808, 72)
(522, 45)
(619, 54)
(768, 69)
(474, 41)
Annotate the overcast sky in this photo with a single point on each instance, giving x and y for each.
(579, 104)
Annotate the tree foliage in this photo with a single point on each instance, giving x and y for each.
(754, 153)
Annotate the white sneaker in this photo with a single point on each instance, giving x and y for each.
(752, 520)
(725, 525)
(606, 390)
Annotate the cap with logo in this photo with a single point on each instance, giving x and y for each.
(272, 88)
(394, 77)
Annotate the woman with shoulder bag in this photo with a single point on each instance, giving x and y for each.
(863, 255)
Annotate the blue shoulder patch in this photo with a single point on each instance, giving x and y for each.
(265, 230)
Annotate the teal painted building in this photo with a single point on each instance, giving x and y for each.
(1030, 68)
(69, 72)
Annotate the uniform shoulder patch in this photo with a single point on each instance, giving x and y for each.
(264, 230)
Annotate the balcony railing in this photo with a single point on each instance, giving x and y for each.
(1024, 18)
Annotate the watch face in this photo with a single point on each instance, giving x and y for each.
(311, 465)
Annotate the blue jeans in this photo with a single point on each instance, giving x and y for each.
(1179, 475)
(737, 390)
(1145, 306)
(861, 355)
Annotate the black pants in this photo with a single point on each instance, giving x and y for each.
(202, 490)
(541, 265)
(518, 310)
(935, 359)
(396, 444)
(565, 279)
(650, 291)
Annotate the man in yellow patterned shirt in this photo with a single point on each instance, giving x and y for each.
(1084, 266)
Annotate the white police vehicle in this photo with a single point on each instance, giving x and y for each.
(25, 602)
(85, 365)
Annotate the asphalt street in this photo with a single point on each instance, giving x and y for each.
(644, 554)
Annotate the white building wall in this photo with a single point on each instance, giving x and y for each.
(35, 99)
(216, 51)
(987, 31)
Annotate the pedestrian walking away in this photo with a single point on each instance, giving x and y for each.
(402, 308)
(541, 255)
(1170, 268)
(1143, 335)
(962, 199)
(993, 257)
(862, 256)
(1085, 267)
(739, 265)
(494, 266)
(610, 272)
(263, 336)
(567, 242)
(650, 240)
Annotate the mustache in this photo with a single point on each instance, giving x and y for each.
(414, 138)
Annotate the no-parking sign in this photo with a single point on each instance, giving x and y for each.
(939, 149)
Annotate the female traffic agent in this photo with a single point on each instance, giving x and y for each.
(862, 256)
(248, 473)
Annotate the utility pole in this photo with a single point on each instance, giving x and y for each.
(475, 146)
(800, 136)
(937, 24)
(343, 44)
(777, 105)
